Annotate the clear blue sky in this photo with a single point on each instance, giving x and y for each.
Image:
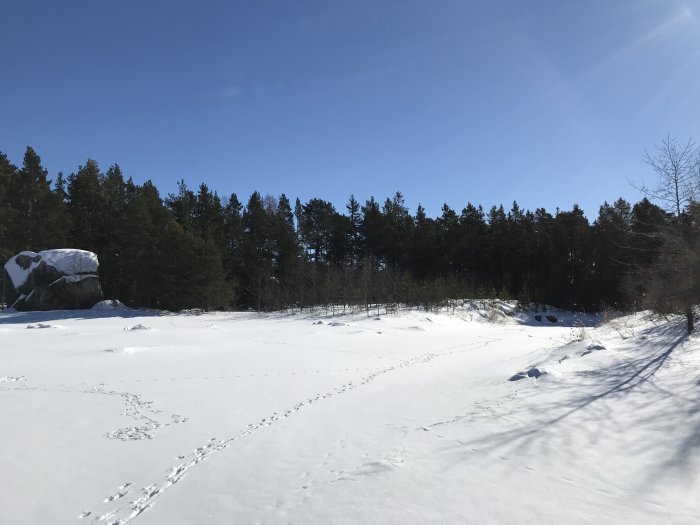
(550, 102)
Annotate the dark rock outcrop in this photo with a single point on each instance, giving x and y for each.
(52, 280)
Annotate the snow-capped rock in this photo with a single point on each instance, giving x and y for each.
(52, 280)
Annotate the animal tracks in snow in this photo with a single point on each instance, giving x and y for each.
(148, 494)
(12, 379)
(135, 407)
(143, 412)
(116, 496)
(480, 411)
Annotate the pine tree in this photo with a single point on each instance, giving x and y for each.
(208, 217)
(140, 277)
(473, 243)
(110, 236)
(286, 246)
(424, 253)
(86, 205)
(7, 212)
(182, 206)
(397, 231)
(38, 213)
(355, 234)
(372, 229)
(316, 228)
(256, 254)
(612, 257)
(233, 239)
(176, 258)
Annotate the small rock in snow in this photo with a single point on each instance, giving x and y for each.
(535, 372)
(138, 327)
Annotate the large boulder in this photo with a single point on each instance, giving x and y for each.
(52, 280)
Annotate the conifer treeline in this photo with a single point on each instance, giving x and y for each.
(197, 250)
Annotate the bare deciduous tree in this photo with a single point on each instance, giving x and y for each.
(673, 281)
(676, 166)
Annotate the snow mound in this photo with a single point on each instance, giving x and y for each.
(594, 346)
(110, 304)
(68, 261)
(138, 327)
(533, 372)
(39, 326)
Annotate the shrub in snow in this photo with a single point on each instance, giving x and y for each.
(52, 280)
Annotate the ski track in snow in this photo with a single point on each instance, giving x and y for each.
(149, 494)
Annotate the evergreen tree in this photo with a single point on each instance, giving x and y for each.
(397, 232)
(256, 254)
(182, 206)
(355, 232)
(424, 259)
(473, 238)
(177, 255)
(109, 232)
(612, 257)
(286, 246)
(38, 214)
(372, 229)
(316, 228)
(572, 271)
(86, 206)
(140, 276)
(7, 212)
(208, 217)
(233, 238)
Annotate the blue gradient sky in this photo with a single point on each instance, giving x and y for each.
(550, 103)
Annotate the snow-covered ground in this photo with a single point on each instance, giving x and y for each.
(120, 416)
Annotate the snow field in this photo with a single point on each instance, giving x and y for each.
(241, 418)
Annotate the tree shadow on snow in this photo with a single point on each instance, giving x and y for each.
(660, 416)
(15, 317)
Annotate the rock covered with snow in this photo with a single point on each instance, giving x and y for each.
(52, 280)
(110, 304)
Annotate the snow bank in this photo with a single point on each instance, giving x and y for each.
(67, 261)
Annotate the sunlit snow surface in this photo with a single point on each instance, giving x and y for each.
(120, 417)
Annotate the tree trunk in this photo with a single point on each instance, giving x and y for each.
(689, 318)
